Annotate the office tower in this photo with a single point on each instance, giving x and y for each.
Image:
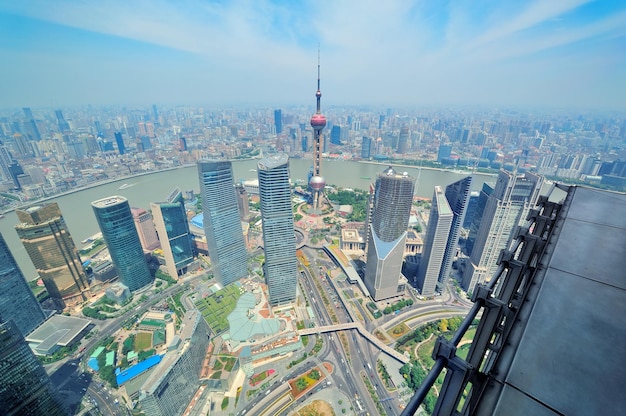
(49, 245)
(437, 235)
(366, 147)
(5, 161)
(278, 233)
(242, 202)
(457, 195)
(318, 122)
(15, 170)
(182, 144)
(25, 389)
(445, 151)
(17, 301)
(64, 126)
(170, 220)
(155, 114)
(486, 190)
(278, 121)
(506, 207)
(472, 203)
(122, 240)
(335, 135)
(403, 140)
(31, 125)
(119, 140)
(391, 208)
(145, 228)
(222, 224)
(170, 388)
(381, 121)
(550, 337)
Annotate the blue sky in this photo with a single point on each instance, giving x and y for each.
(563, 53)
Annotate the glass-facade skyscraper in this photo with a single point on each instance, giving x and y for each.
(170, 220)
(51, 248)
(457, 195)
(278, 234)
(507, 206)
(222, 223)
(119, 233)
(437, 234)
(390, 210)
(25, 388)
(17, 301)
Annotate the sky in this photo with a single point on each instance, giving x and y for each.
(546, 53)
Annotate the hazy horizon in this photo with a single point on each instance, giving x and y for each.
(567, 54)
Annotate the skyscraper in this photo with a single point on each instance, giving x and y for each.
(222, 224)
(278, 121)
(457, 195)
(366, 147)
(25, 389)
(31, 125)
(391, 208)
(403, 140)
(145, 228)
(278, 234)
(335, 135)
(119, 140)
(17, 301)
(242, 202)
(64, 126)
(437, 234)
(170, 220)
(318, 122)
(49, 245)
(445, 151)
(477, 217)
(506, 208)
(120, 235)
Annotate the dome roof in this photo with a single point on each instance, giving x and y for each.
(317, 183)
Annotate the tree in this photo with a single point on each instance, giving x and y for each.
(443, 325)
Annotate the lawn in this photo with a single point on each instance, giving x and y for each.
(143, 341)
(399, 330)
(216, 308)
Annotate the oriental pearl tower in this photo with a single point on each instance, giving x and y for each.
(318, 122)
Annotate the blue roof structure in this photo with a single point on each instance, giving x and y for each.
(93, 363)
(137, 369)
(198, 220)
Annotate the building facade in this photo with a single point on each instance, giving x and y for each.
(434, 248)
(17, 301)
(278, 233)
(222, 223)
(121, 237)
(50, 246)
(390, 211)
(170, 388)
(457, 195)
(170, 220)
(145, 228)
(506, 208)
(25, 389)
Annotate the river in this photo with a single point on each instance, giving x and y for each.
(76, 206)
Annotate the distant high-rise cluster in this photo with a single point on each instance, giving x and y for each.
(51, 248)
(278, 233)
(120, 235)
(390, 210)
(222, 223)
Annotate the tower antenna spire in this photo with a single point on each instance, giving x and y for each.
(318, 94)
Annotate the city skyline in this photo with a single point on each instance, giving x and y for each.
(504, 53)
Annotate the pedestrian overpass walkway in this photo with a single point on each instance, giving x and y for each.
(359, 327)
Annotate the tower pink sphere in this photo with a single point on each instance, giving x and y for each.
(317, 183)
(318, 121)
